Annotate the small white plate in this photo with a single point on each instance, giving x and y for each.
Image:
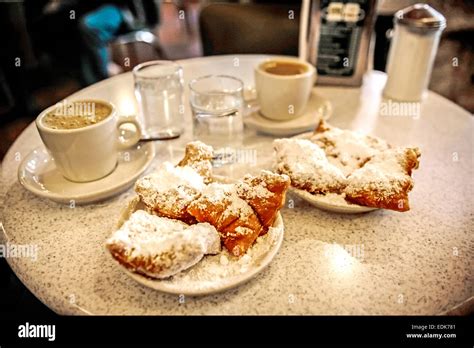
(39, 175)
(318, 108)
(207, 277)
(332, 202)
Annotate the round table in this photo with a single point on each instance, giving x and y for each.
(382, 262)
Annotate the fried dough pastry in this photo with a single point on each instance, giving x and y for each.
(307, 166)
(158, 247)
(240, 212)
(198, 155)
(348, 150)
(385, 180)
(233, 217)
(265, 193)
(170, 190)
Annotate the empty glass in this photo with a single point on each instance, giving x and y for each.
(159, 92)
(217, 106)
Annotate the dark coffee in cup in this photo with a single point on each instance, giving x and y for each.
(284, 68)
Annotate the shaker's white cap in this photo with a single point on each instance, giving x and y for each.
(421, 17)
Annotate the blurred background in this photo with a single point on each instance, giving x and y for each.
(52, 48)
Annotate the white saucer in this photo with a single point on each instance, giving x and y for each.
(209, 276)
(331, 202)
(318, 108)
(38, 174)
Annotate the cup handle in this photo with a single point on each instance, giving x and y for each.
(125, 143)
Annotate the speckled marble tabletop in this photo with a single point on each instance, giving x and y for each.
(382, 262)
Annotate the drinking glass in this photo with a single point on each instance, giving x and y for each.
(217, 105)
(159, 92)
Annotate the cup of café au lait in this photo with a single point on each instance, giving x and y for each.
(83, 137)
(283, 87)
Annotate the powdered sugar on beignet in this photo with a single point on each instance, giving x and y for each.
(160, 247)
(233, 217)
(307, 166)
(199, 157)
(265, 193)
(170, 189)
(348, 150)
(385, 180)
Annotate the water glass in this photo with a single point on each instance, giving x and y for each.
(159, 92)
(217, 105)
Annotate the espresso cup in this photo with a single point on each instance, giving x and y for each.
(88, 152)
(283, 93)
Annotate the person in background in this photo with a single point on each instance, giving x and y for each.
(76, 33)
(100, 26)
(52, 48)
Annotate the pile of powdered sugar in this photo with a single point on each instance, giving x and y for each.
(217, 193)
(384, 173)
(215, 271)
(307, 166)
(158, 246)
(178, 185)
(348, 150)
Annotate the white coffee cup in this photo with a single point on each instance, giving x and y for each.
(90, 152)
(283, 97)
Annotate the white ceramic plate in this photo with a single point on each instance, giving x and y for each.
(207, 276)
(318, 108)
(39, 175)
(331, 202)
